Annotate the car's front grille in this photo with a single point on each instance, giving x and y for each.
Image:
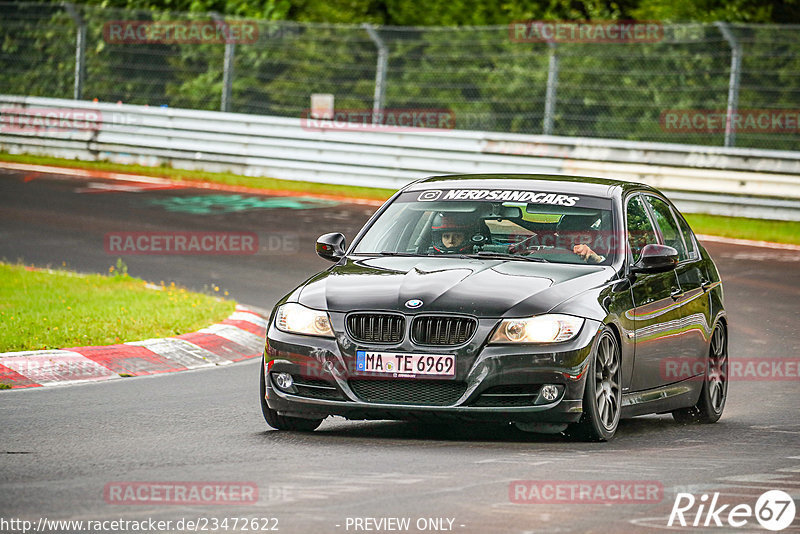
(438, 330)
(418, 392)
(315, 388)
(521, 395)
(376, 327)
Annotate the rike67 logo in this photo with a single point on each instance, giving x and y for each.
(774, 510)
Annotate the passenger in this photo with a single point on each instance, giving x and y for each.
(575, 231)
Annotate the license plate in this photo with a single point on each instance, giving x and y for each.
(406, 365)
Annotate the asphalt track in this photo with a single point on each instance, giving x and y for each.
(61, 446)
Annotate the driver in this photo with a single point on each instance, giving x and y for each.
(452, 233)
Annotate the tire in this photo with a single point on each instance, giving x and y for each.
(712, 399)
(281, 422)
(602, 395)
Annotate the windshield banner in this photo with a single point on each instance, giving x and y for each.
(504, 195)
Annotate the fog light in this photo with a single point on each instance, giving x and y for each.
(284, 380)
(549, 392)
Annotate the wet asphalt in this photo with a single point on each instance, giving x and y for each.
(60, 447)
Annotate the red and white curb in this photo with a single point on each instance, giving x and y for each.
(239, 337)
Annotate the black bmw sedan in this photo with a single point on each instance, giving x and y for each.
(556, 303)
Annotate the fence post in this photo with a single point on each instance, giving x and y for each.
(227, 65)
(380, 73)
(80, 49)
(550, 96)
(733, 84)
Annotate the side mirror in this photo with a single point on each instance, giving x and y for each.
(656, 259)
(331, 246)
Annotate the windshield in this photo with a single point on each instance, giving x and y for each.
(523, 225)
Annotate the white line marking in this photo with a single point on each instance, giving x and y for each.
(82, 173)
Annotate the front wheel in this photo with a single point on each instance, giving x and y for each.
(282, 422)
(602, 394)
(715, 385)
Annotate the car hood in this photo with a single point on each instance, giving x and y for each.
(481, 287)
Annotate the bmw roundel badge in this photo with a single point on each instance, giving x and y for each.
(413, 303)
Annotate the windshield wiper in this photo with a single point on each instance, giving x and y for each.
(500, 255)
(385, 253)
(481, 255)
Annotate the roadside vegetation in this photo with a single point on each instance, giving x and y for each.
(458, 56)
(51, 309)
(742, 228)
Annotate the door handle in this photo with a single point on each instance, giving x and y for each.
(676, 294)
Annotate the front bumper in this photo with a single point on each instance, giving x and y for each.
(492, 382)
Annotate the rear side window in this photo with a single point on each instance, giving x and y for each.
(688, 237)
(640, 229)
(668, 226)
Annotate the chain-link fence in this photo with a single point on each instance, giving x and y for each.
(673, 88)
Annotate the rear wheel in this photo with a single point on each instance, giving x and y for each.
(602, 395)
(715, 385)
(281, 422)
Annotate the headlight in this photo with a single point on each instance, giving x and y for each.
(297, 319)
(550, 328)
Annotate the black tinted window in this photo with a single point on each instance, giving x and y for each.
(640, 230)
(687, 237)
(668, 226)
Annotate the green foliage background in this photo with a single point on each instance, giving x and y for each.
(443, 54)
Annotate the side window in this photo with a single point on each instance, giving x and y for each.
(688, 238)
(669, 228)
(640, 230)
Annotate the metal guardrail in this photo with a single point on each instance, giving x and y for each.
(729, 181)
(601, 84)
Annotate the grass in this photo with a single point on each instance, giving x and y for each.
(256, 182)
(742, 228)
(61, 309)
(738, 227)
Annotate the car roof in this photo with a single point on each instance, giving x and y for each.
(586, 185)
